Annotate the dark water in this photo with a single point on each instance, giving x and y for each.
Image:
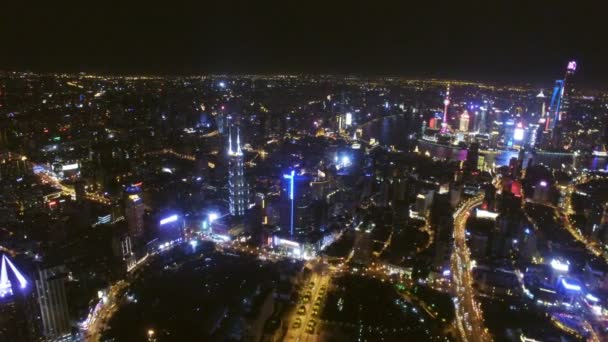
(395, 130)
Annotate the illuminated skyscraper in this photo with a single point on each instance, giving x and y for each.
(51, 293)
(236, 178)
(17, 305)
(568, 89)
(134, 213)
(464, 121)
(562, 93)
(446, 103)
(291, 177)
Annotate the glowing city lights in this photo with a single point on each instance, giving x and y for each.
(559, 266)
(211, 217)
(570, 286)
(6, 288)
(169, 219)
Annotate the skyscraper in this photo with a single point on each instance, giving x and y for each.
(134, 213)
(17, 305)
(52, 299)
(236, 178)
(472, 156)
(568, 89)
(464, 121)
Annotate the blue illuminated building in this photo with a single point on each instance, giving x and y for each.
(7, 286)
(291, 177)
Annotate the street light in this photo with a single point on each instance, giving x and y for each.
(151, 335)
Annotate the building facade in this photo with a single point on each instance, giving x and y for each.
(236, 178)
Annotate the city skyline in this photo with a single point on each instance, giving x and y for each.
(300, 172)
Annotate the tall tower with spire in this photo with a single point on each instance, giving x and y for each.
(236, 177)
(446, 103)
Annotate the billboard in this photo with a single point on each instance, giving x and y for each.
(68, 167)
(169, 219)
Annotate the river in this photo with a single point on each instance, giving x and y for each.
(397, 130)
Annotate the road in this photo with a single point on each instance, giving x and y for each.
(102, 316)
(68, 190)
(429, 231)
(321, 278)
(469, 318)
(565, 210)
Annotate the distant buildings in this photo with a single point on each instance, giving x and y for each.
(464, 122)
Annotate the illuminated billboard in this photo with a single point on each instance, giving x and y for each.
(486, 214)
(284, 242)
(169, 219)
(349, 119)
(68, 167)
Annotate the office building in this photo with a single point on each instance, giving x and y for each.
(472, 156)
(53, 303)
(134, 214)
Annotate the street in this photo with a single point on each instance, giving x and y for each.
(469, 318)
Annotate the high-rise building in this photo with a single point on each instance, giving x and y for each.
(541, 103)
(464, 121)
(472, 156)
(134, 214)
(17, 305)
(122, 250)
(482, 120)
(542, 193)
(568, 89)
(53, 303)
(236, 178)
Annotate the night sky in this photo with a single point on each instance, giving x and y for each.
(515, 43)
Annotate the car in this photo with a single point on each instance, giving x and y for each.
(301, 310)
(297, 323)
(310, 329)
(315, 312)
